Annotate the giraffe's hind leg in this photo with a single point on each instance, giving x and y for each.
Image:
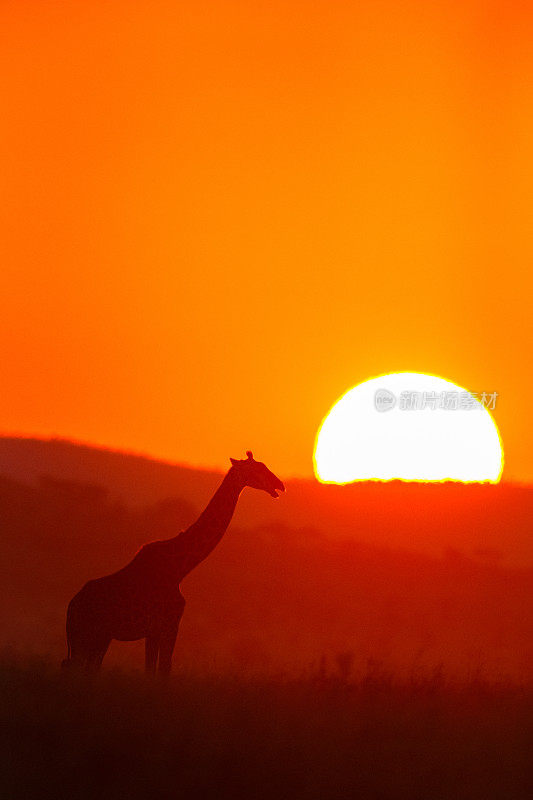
(96, 654)
(151, 651)
(88, 653)
(79, 655)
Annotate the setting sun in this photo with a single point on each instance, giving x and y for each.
(411, 426)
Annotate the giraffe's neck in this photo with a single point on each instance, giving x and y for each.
(195, 543)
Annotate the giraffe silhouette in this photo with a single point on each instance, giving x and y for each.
(143, 600)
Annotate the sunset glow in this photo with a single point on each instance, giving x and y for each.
(234, 195)
(411, 426)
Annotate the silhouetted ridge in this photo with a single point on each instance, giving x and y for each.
(481, 520)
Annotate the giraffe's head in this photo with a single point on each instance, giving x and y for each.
(257, 475)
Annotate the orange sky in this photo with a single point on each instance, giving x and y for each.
(219, 216)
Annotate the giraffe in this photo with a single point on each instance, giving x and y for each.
(143, 600)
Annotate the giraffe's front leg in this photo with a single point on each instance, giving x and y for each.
(151, 651)
(166, 647)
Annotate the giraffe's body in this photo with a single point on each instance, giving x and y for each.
(143, 600)
(140, 601)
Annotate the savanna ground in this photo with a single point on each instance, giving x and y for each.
(118, 735)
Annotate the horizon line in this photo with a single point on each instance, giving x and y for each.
(220, 471)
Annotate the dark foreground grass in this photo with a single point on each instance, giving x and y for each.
(121, 736)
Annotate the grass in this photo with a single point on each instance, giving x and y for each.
(118, 735)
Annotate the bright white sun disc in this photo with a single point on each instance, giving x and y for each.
(409, 426)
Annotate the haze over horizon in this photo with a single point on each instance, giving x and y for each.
(207, 468)
(485, 522)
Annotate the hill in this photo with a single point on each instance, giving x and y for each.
(488, 523)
